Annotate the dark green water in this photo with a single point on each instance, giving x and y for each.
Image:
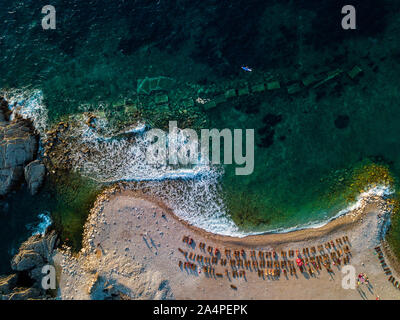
(19, 216)
(66, 200)
(306, 143)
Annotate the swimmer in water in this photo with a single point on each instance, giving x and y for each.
(247, 69)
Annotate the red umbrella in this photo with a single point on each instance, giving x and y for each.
(299, 262)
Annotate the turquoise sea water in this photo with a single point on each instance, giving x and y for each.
(306, 143)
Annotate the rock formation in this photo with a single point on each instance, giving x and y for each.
(34, 175)
(18, 146)
(25, 294)
(33, 254)
(7, 283)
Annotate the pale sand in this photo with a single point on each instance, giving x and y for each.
(139, 256)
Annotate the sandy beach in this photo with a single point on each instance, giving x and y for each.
(131, 251)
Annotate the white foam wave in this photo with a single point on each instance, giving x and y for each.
(29, 105)
(196, 201)
(193, 193)
(138, 128)
(115, 159)
(40, 228)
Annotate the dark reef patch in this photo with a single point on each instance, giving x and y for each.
(272, 120)
(342, 121)
(249, 104)
(267, 131)
(157, 25)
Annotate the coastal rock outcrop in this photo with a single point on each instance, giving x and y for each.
(26, 294)
(7, 283)
(34, 252)
(26, 260)
(34, 175)
(2, 117)
(4, 110)
(9, 178)
(18, 146)
(23, 293)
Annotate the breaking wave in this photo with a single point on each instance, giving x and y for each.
(44, 223)
(29, 105)
(194, 193)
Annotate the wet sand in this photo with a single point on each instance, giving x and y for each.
(130, 250)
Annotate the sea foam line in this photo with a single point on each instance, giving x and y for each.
(378, 191)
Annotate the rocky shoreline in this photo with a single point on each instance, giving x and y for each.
(18, 151)
(26, 282)
(18, 163)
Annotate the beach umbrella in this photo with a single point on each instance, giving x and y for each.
(299, 262)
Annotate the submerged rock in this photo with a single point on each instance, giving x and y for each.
(34, 175)
(342, 121)
(274, 85)
(147, 85)
(353, 73)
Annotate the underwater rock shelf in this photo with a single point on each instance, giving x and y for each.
(162, 85)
